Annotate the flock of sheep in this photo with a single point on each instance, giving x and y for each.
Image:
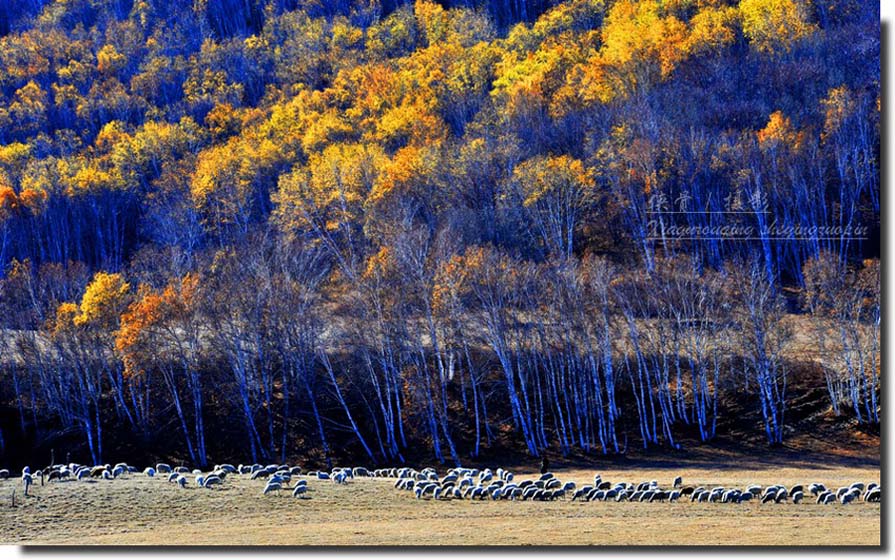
(462, 484)
(475, 484)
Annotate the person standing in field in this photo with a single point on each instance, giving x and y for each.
(545, 465)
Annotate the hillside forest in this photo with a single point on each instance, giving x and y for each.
(382, 230)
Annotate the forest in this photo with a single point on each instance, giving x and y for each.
(381, 230)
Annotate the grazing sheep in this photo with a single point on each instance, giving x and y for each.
(272, 487)
(172, 477)
(4, 474)
(781, 496)
(873, 496)
(163, 468)
(797, 496)
(546, 476)
(674, 496)
(817, 488)
(150, 472)
(212, 481)
(746, 496)
(107, 475)
(118, 471)
(659, 496)
(768, 497)
(826, 498)
(754, 489)
(687, 491)
(300, 491)
(581, 492)
(200, 481)
(181, 481)
(797, 488)
(323, 476)
(82, 474)
(850, 496)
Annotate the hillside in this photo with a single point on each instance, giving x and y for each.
(385, 231)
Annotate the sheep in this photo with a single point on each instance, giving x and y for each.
(797, 496)
(82, 474)
(659, 495)
(200, 481)
(172, 477)
(581, 492)
(746, 496)
(768, 497)
(674, 496)
(300, 491)
(272, 487)
(546, 476)
(817, 488)
(850, 496)
(181, 481)
(678, 480)
(874, 495)
(797, 488)
(107, 475)
(149, 471)
(182, 470)
(212, 481)
(552, 484)
(323, 476)
(858, 485)
(163, 468)
(754, 489)
(826, 498)
(119, 471)
(781, 496)
(4, 474)
(605, 485)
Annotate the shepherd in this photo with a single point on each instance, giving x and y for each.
(545, 465)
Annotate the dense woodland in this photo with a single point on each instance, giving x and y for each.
(267, 229)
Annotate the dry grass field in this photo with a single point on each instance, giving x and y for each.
(149, 511)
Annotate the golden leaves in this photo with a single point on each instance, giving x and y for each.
(773, 26)
(103, 300)
(779, 131)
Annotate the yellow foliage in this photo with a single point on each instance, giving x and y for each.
(109, 61)
(779, 131)
(432, 20)
(103, 300)
(773, 26)
(838, 106)
(542, 177)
